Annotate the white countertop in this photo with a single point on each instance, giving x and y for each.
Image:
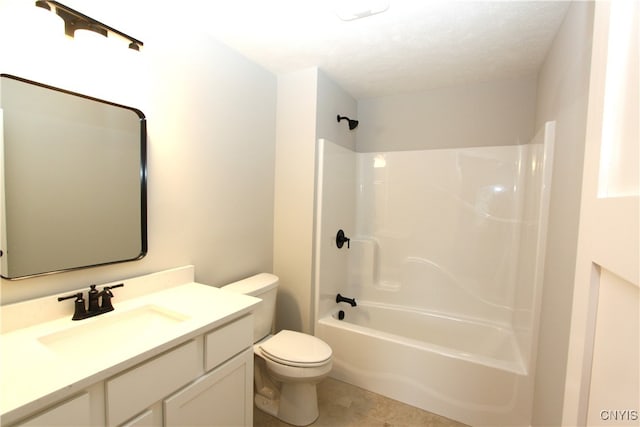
(33, 375)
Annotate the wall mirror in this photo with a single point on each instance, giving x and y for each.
(73, 188)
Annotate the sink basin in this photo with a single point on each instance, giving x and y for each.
(113, 330)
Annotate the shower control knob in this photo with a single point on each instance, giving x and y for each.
(341, 239)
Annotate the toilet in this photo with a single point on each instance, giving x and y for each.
(287, 365)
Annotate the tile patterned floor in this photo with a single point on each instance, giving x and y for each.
(345, 405)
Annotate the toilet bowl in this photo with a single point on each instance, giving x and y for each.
(287, 365)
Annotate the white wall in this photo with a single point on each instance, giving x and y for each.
(474, 115)
(211, 125)
(563, 84)
(332, 100)
(308, 103)
(294, 193)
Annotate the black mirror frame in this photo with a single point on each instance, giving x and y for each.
(143, 179)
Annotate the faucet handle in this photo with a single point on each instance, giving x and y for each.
(78, 296)
(80, 311)
(341, 239)
(106, 297)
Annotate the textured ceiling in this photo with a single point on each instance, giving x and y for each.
(414, 45)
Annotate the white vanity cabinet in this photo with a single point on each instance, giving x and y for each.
(173, 352)
(208, 401)
(206, 381)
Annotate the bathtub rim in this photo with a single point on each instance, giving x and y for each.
(513, 367)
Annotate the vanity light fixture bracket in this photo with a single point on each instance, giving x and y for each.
(74, 20)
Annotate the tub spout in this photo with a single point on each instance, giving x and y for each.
(340, 298)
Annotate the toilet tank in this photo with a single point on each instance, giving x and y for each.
(265, 287)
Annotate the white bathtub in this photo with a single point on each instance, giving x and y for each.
(470, 372)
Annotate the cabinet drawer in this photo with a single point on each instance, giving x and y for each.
(227, 341)
(75, 412)
(135, 390)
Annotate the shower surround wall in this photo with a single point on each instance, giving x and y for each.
(438, 230)
(444, 263)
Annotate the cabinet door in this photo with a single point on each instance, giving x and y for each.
(152, 417)
(223, 397)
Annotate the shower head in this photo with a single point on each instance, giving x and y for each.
(352, 123)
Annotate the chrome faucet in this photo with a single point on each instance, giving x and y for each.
(81, 312)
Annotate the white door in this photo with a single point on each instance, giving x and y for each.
(603, 367)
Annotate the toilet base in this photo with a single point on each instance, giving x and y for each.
(267, 405)
(297, 405)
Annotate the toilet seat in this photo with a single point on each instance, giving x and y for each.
(296, 349)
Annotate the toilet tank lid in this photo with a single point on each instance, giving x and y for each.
(253, 285)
